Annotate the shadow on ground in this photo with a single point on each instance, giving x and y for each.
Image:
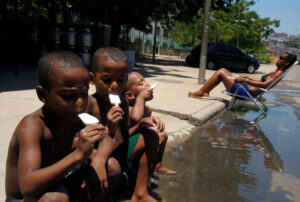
(162, 61)
(148, 69)
(25, 78)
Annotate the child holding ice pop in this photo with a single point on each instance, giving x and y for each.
(109, 74)
(44, 162)
(137, 93)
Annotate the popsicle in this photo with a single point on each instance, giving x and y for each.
(88, 119)
(153, 86)
(114, 99)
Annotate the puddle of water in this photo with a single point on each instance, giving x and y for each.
(230, 159)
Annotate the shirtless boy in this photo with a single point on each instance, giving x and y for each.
(137, 93)
(41, 152)
(109, 74)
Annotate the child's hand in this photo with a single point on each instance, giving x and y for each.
(114, 116)
(88, 137)
(160, 125)
(146, 94)
(147, 123)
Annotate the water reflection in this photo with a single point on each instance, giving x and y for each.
(240, 134)
(240, 156)
(213, 165)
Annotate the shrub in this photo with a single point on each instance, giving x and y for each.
(266, 58)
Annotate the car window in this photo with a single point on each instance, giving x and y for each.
(220, 48)
(235, 50)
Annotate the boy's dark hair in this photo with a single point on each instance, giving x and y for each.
(49, 62)
(129, 82)
(291, 58)
(108, 53)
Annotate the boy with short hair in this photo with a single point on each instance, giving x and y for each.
(42, 152)
(109, 74)
(137, 93)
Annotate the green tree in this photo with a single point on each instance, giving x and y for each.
(234, 24)
(187, 34)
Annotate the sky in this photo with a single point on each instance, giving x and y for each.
(287, 11)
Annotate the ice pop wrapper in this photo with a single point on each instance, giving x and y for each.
(153, 86)
(114, 99)
(88, 119)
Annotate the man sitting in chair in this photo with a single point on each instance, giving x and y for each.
(231, 82)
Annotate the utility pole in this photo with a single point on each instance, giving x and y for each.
(154, 42)
(203, 54)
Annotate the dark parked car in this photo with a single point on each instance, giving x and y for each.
(224, 55)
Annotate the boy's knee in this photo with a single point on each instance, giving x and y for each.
(163, 136)
(59, 193)
(114, 167)
(141, 141)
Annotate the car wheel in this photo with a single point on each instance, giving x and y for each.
(250, 69)
(188, 59)
(210, 65)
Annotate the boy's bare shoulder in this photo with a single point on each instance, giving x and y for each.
(31, 125)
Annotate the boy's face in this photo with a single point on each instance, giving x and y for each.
(138, 84)
(68, 94)
(110, 78)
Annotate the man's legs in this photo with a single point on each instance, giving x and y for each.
(220, 75)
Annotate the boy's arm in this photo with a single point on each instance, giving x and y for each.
(144, 123)
(138, 110)
(32, 178)
(105, 148)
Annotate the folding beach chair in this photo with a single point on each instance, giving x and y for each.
(256, 99)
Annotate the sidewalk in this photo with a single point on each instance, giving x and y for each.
(179, 112)
(175, 80)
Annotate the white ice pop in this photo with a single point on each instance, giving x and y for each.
(88, 119)
(114, 99)
(153, 86)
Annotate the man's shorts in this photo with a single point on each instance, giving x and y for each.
(241, 91)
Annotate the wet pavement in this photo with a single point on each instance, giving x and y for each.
(231, 159)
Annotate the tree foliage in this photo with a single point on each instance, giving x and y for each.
(234, 24)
